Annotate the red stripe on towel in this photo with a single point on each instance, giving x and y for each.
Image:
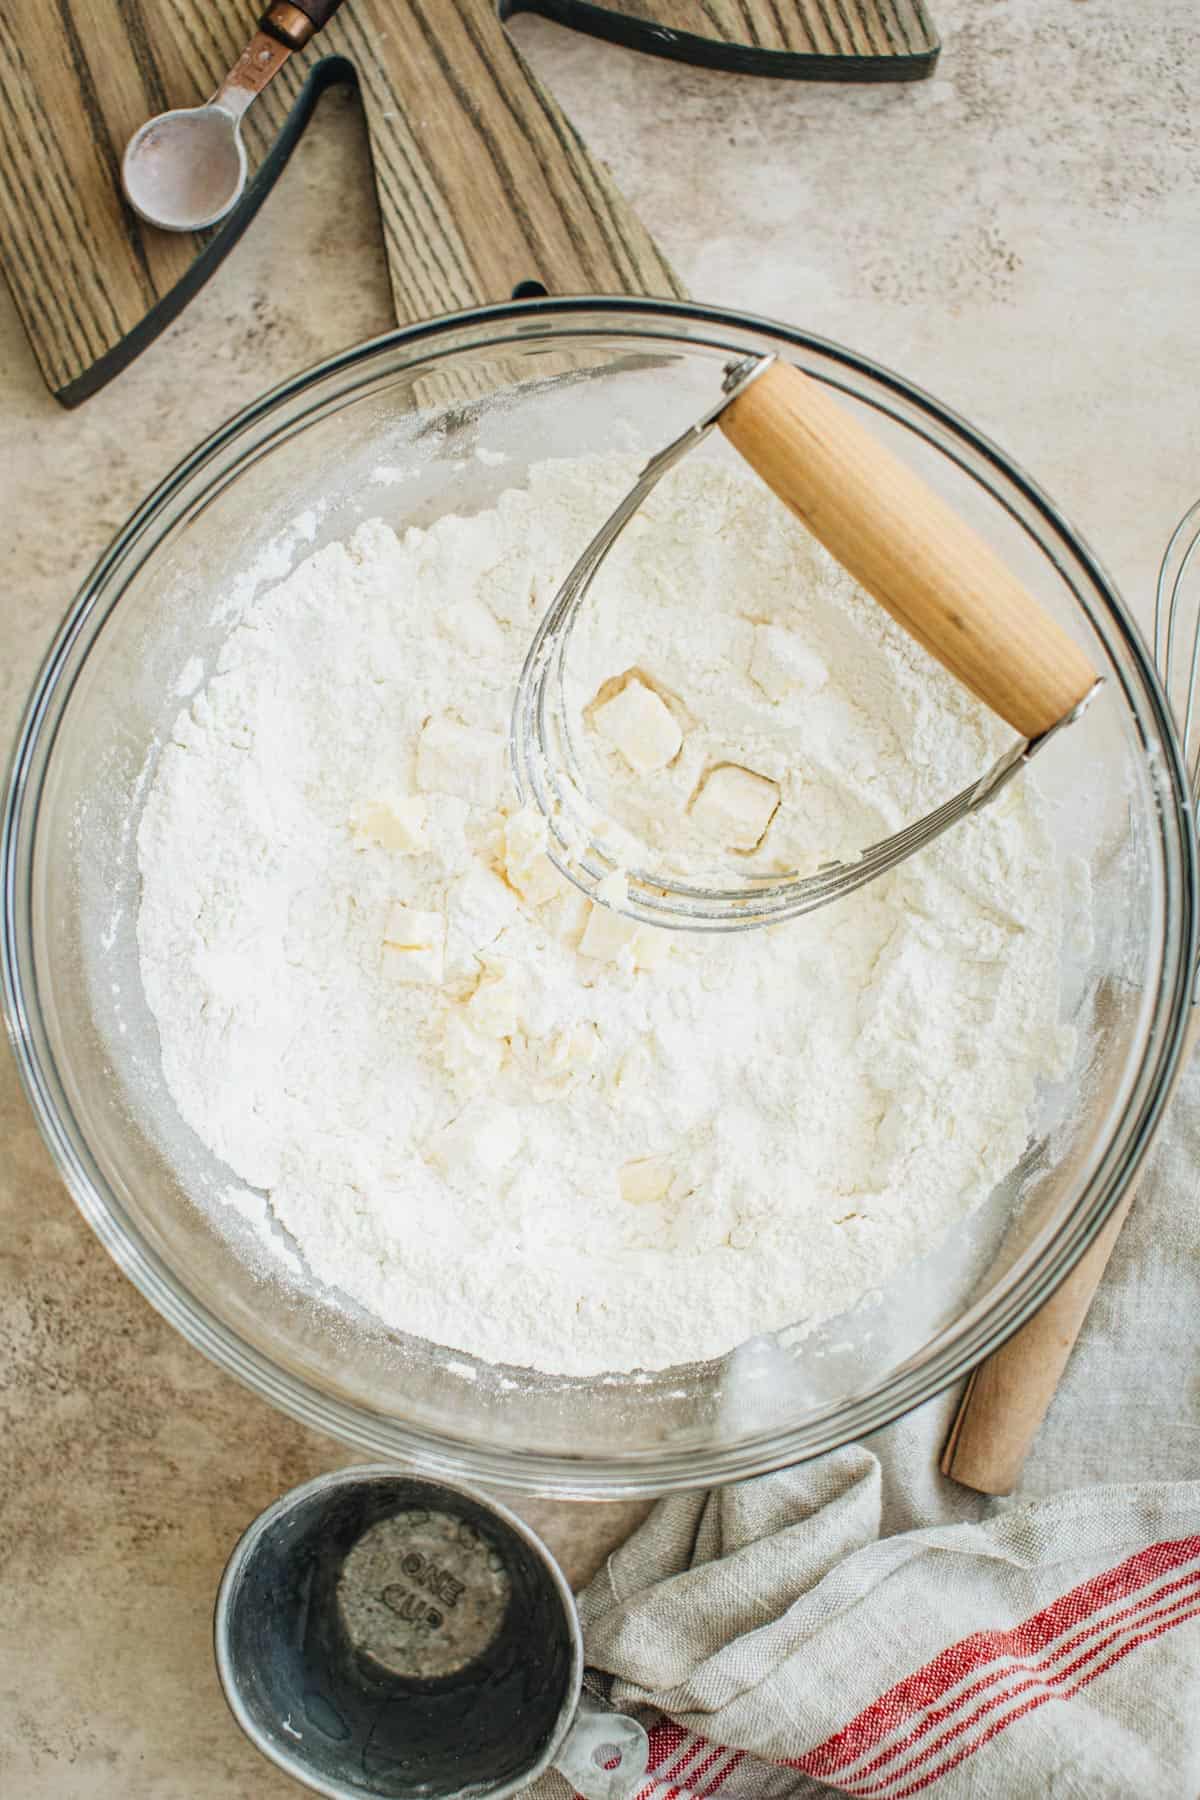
(1031, 1705)
(1099, 1635)
(922, 1689)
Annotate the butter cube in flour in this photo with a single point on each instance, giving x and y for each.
(556, 1064)
(396, 825)
(479, 907)
(651, 946)
(472, 1059)
(492, 1008)
(645, 1180)
(461, 760)
(606, 934)
(783, 665)
(414, 945)
(733, 806)
(636, 723)
(526, 864)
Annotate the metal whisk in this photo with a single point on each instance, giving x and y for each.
(1176, 623)
(922, 562)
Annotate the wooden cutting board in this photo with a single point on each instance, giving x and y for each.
(482, 182)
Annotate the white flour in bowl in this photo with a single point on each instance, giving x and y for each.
(499, 1119)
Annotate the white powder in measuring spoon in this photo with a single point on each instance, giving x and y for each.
(499, 1118)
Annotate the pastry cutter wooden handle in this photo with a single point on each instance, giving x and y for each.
(909, 549)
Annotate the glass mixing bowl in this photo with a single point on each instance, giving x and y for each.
(392, 428)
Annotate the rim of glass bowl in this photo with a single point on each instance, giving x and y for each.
(954, 1350)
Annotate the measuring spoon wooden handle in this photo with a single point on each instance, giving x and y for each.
(909, 549)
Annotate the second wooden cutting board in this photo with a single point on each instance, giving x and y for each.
(482, 181)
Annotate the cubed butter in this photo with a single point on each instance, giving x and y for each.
(614, 889)
(474, 1060)
(461, 760)
(414, 945)
(480, 907)
(397, 824)
(492, 1008)
(606, 934)
(651, 946)
(558, 1063)
(526, 864)
(645, 1180)
(637, 724)
(733, 806)
(631, 1074)
(783, 665)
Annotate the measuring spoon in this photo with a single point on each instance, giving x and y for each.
(184, 170)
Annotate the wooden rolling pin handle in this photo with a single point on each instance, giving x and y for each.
(1009, 1394)
(907, 547)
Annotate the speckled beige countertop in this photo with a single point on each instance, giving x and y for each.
(1021, 235)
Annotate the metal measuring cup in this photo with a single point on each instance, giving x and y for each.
(380, 1635)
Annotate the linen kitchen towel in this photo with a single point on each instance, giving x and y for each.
(785, 1649)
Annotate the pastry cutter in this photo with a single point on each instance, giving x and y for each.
(903, 544)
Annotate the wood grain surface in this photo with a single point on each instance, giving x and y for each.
(482, 182)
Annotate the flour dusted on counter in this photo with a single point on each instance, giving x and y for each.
(525, 1127)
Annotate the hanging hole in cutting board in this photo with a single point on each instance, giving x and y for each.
(529, 290)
